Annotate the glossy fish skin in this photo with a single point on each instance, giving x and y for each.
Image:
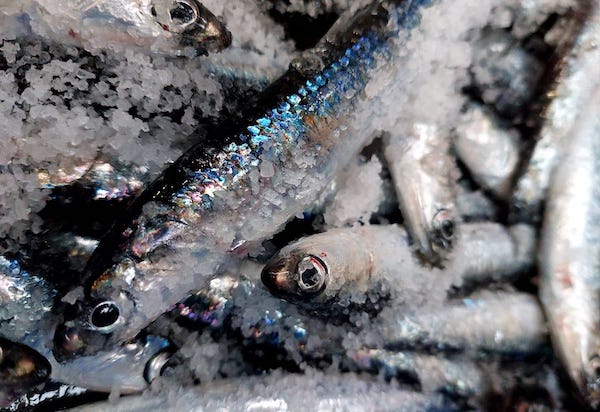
(159, 26)
(579, 76)
(424, 177)
(570, 252)
(345, 265)
(21, 370)
(213, 202)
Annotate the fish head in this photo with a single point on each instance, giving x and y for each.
(296, 276)
(21, 370)
(192, 24)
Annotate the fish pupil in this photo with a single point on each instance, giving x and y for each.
(182, 13)
(310, 277)
(448, 228)
(105, 314)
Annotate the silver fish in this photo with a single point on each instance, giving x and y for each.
(490, 152)
(577, 81)
(21, 370)
(424, 176)
(312, 391)
(161, 26)
(215, 203)
(505, 323)
(349, 265)
(570, 252)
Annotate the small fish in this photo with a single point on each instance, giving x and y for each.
(424, 176)
(22, 369)
(502, 323)
(227, 196)
(578, 78)
(347, 265)
(478, 136)
(160, 26)
(570, 253)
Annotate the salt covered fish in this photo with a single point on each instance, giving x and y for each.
(579, 76)
(21, 370)
(570, 253)
(422, 169)
(349, 265)
(504, 323)
(490, 152)
(162, 26)
(215, 202)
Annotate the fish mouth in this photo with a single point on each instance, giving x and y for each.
(21, 367)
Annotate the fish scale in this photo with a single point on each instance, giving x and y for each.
(204, 207)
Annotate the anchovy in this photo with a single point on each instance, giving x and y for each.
(579, 77)
(21, 370)
(162, 26)
(476, 137)
(422, 170)
(570, 252)
(353, 265)
(314, 391)
(504, 323)
(215, 202)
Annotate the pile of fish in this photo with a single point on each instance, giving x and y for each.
(403, 219)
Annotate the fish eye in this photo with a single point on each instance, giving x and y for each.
(105, 316)
(312, 272)
(183, 13)
(444, 223)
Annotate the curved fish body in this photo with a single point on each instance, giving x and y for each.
(161, 26)
(21, 370)
(214, 203)
(503, 323)
(314, 391)
(422, 170)
(351, 265)
(570, 253)
(478, 136)
(575, 85)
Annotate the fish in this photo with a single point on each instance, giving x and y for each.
(22, 369)
(569, 253)
(478, 135)
(424, 176)
(170, 27)
(502, 323)
(578, 77)
(276, 392)
(343, 266)
(221, 199)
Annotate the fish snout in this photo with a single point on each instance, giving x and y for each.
(277, 278)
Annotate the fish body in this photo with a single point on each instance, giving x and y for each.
(570, 252)
(422, 170)
(350, 265)
(215, 202)
(161, 26)
(579, 76)
(22, 369)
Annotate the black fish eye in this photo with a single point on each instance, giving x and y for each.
(183, 13)
(312, 272)
(447, 228)
(105, 316)
(443, 222)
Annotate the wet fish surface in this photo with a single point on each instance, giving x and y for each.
(162, 26)
(214, 203)
(569, 253)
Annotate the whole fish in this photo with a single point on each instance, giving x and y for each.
(352, 265)
(424, 175)
(21, 370)
(579, 76)
(162, 26)
(214, 203)
(570, 253)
